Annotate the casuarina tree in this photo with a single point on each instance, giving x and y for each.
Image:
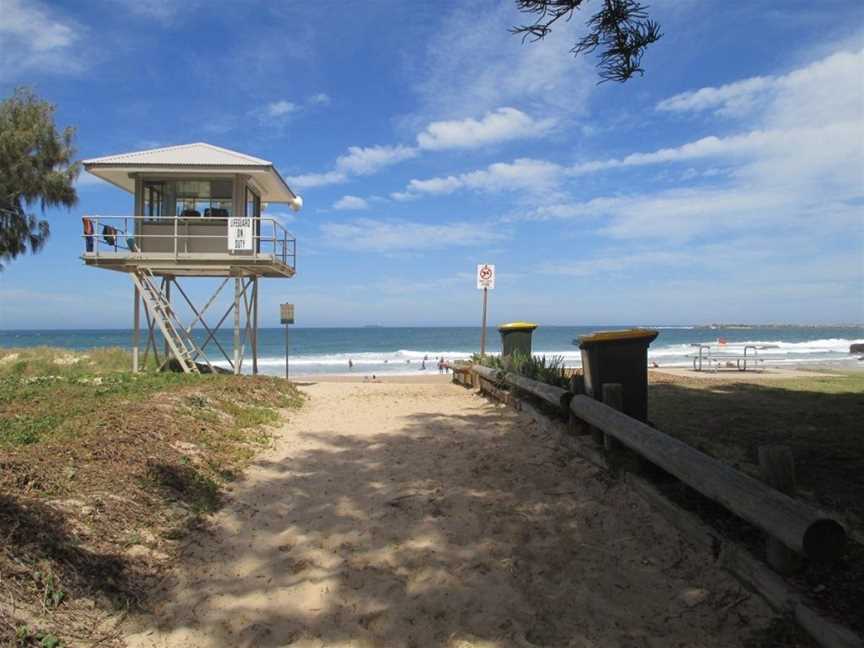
(36, 170)
(620, 28)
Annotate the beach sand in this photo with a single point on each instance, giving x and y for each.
(433, 378)
(402, 514)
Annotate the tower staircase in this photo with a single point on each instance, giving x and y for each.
(179, 339)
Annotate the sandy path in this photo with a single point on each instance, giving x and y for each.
(422, 515)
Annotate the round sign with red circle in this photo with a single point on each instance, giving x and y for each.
(485, 276)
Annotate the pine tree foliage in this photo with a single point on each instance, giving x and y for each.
(36, 169)
(621, 29)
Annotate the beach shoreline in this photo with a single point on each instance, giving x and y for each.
(403, 350)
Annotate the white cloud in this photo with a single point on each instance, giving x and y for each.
(804, 174)
(566, 210)
(523, 174)
(319, 99)
(617, 262)
(501, 125)
(730, 99)
(396, 235)
(367, 160)
(310, 180)
(165, 11)
(444, 185)
(34, 38)
(280, 108)
(283, 218)
(350, 202)
(783, 218)
(712, 146)
(279, 112)
(793, 91)
(541, 175)
(476, 66)
(358, 160)
(403, 196)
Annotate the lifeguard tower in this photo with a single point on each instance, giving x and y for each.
(197, 213)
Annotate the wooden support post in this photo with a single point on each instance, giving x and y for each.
(597, 435)
(237, 292)
(136, 330)
(577, 388)
(613, 396)
(777, 466)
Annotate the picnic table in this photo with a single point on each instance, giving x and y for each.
(712, 357)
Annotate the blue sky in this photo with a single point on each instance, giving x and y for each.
(725, 185)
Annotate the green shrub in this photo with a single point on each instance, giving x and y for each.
(547, 370)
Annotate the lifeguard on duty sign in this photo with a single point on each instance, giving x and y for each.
(239, 234)
(485, 276)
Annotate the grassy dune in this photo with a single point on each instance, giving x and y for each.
(819, 417)
(102, 473)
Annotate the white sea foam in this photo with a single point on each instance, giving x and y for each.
(409, 361)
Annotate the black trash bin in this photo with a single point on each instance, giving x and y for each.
(516, 336)
(619, 357)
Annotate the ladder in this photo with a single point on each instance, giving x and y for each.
(180, 341)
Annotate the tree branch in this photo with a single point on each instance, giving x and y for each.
(621, 28)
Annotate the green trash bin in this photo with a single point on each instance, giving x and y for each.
(516, 336)
(619, 357)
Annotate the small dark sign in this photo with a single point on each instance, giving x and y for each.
(286, 312)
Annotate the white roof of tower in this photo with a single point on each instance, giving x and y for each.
(199, 157)
(185, 154)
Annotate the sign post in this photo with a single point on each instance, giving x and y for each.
(286, 315)
(485, 282)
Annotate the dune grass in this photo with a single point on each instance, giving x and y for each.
(103, 471)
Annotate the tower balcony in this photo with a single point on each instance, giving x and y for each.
(192, 246)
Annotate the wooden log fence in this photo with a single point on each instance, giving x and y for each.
(798, 526)
(788, 523)
(462, 375)
(555, 396)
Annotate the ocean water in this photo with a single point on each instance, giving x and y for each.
(386, 350)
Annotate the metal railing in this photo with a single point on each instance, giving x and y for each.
(183, 238)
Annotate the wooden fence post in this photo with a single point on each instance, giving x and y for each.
(777, 466)
(577, 388)
(613, 396)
